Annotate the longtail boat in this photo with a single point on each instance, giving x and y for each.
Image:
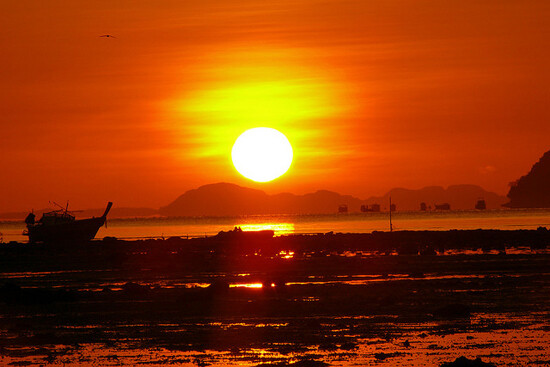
(61, 226)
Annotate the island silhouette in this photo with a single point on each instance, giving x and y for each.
(533, 189)
(224, 199)
(228, 199)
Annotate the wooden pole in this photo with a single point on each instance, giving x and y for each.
(391, 227)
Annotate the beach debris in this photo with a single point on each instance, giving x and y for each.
(465, 362)
(12, 293)
(348, 346)
(428, 251)
(453, 311)
(136, 289)
(382, 356)
(409, 248)
(201, 363)
(302, 363)
(416, 274)
(309, 363)
(328, 347)
(218, 286)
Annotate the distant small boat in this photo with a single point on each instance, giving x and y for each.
(374, 208)
(480, 205)
(343, 208)
(61, 226)
(444, 206)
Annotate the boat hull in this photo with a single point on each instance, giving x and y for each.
(79, 230)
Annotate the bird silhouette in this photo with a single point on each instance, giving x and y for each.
(108, 35)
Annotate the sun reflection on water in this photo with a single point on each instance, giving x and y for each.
(278, 228)
(246, 285)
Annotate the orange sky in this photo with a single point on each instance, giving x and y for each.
(372, 95)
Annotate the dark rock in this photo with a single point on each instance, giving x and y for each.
(302, 363)
(309, 363)
(12, 293)
(330, 347)
(453, 311)
(382, 356)
(218, 285)
(348, 346)
(465, 362)
(417, 274)
(428, 251)
(135, 289)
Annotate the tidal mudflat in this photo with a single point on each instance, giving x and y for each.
(167, 302)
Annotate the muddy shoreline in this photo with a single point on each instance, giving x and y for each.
(331, 299)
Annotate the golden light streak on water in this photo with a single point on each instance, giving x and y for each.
(246, 285)
(278, 228)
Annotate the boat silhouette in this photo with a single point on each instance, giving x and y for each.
(480, 204)
(61, 226)
(444, 206)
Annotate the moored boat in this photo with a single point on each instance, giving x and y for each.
(62, 226)
(444, 206)
(480, 204)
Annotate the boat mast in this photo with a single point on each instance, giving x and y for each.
(391, 227)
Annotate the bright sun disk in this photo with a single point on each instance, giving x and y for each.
(262, 154)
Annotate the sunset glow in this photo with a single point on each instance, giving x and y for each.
(409, 95)
(282, 88)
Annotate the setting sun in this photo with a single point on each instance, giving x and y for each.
(262, 154)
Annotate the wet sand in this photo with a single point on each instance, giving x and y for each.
(336, 300)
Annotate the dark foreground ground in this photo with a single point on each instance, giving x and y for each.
(401, 299)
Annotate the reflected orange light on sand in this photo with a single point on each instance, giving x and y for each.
(286, 254)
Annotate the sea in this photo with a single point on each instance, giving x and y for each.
(161, 227)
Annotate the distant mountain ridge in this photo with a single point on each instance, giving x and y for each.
(460, 197)
(225, 199)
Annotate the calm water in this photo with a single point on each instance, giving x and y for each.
(285, 224)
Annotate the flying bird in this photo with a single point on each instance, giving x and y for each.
(108, 35)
